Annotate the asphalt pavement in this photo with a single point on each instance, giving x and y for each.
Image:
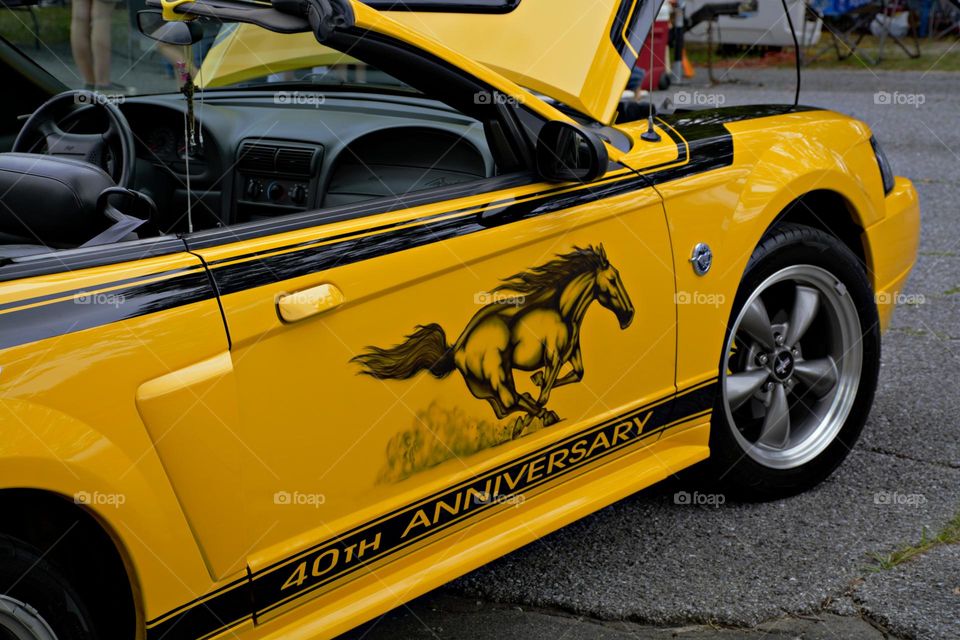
(799, 568)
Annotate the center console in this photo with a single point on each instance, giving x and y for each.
(276, 178)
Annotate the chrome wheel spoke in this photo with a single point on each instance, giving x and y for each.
(806, 303)
(740, 387)
(756, 324)
(820, 375)
(776, 424)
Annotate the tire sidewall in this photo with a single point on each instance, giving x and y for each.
(29, 578)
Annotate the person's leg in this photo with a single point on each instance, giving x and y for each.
(80, 39)
(101, 19)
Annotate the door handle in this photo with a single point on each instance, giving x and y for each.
(293, 307)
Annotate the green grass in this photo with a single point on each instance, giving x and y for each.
(949, 535)
(54, 26)
(17, 26)
(935, 55)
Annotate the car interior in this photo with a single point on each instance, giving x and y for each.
(111, 171)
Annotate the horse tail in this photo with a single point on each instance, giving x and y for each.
(426, 348)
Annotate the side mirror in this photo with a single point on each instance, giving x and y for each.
(568, 153)
(150, 22)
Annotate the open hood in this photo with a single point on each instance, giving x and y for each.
(579, 52)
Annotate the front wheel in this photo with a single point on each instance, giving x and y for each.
(36, 601)
(799, 366)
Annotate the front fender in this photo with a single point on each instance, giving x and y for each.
(775, 161)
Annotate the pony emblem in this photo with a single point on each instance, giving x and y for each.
(535, 330)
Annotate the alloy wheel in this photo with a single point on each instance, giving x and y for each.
(20, 621)
(794, 359)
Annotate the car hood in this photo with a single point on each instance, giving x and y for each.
(579, 53)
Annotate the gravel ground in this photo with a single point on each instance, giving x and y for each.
(796, 568)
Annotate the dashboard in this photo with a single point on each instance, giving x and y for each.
(255, 159)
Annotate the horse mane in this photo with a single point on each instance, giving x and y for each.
(552, 275)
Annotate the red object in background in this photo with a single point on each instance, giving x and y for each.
(660, 38)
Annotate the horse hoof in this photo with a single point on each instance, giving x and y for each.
(550, 418)
(519, 426)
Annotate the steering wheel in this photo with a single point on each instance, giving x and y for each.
(43, 125)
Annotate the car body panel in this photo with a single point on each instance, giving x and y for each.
(369, 595)
(578, 53)
(76, 348)
(893, 241)
(775, 160)
(243, 52)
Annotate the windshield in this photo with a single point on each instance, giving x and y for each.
(95, 44)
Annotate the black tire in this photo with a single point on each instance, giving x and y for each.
(29, 578)
(785, 246)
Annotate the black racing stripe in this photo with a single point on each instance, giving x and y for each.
(627, 19)
(696, 400)
(389, 531)
(226, 609)
(445, 6)
(702, 141)
(90, 289)
(264, 591)
(706, 120)
(84, 311)
(708, 147)
(394, 225)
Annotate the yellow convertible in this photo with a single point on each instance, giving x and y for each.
(390, 289)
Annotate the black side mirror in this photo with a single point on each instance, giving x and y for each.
(567, 153)
(150, 22)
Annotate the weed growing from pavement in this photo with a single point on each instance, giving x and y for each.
(949, 535)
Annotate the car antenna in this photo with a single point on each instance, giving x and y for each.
(796, 52)
(651, 135)
(189, 125)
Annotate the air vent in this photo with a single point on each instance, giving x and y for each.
(295, 161)
(267, 157)
(258, 157)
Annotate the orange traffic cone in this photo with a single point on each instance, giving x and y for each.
(688, 70)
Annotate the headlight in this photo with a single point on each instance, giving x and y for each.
(886, 171)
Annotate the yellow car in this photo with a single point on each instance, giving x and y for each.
(389, 290)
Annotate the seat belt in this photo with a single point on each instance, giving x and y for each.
(124, 226)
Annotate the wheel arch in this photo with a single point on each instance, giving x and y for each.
(831, 212)
(828, 180)
(831, 200)
(84, 549)
(76, 473)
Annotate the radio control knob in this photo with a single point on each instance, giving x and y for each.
(275, 191)
(299, 194)
(254, 188)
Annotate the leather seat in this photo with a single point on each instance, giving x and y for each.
(49, 201)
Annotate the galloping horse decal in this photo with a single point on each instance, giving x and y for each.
(537, 329)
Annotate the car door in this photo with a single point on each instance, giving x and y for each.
(359, 410)
(399, 348)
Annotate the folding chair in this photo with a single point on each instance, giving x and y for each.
(850, 27)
